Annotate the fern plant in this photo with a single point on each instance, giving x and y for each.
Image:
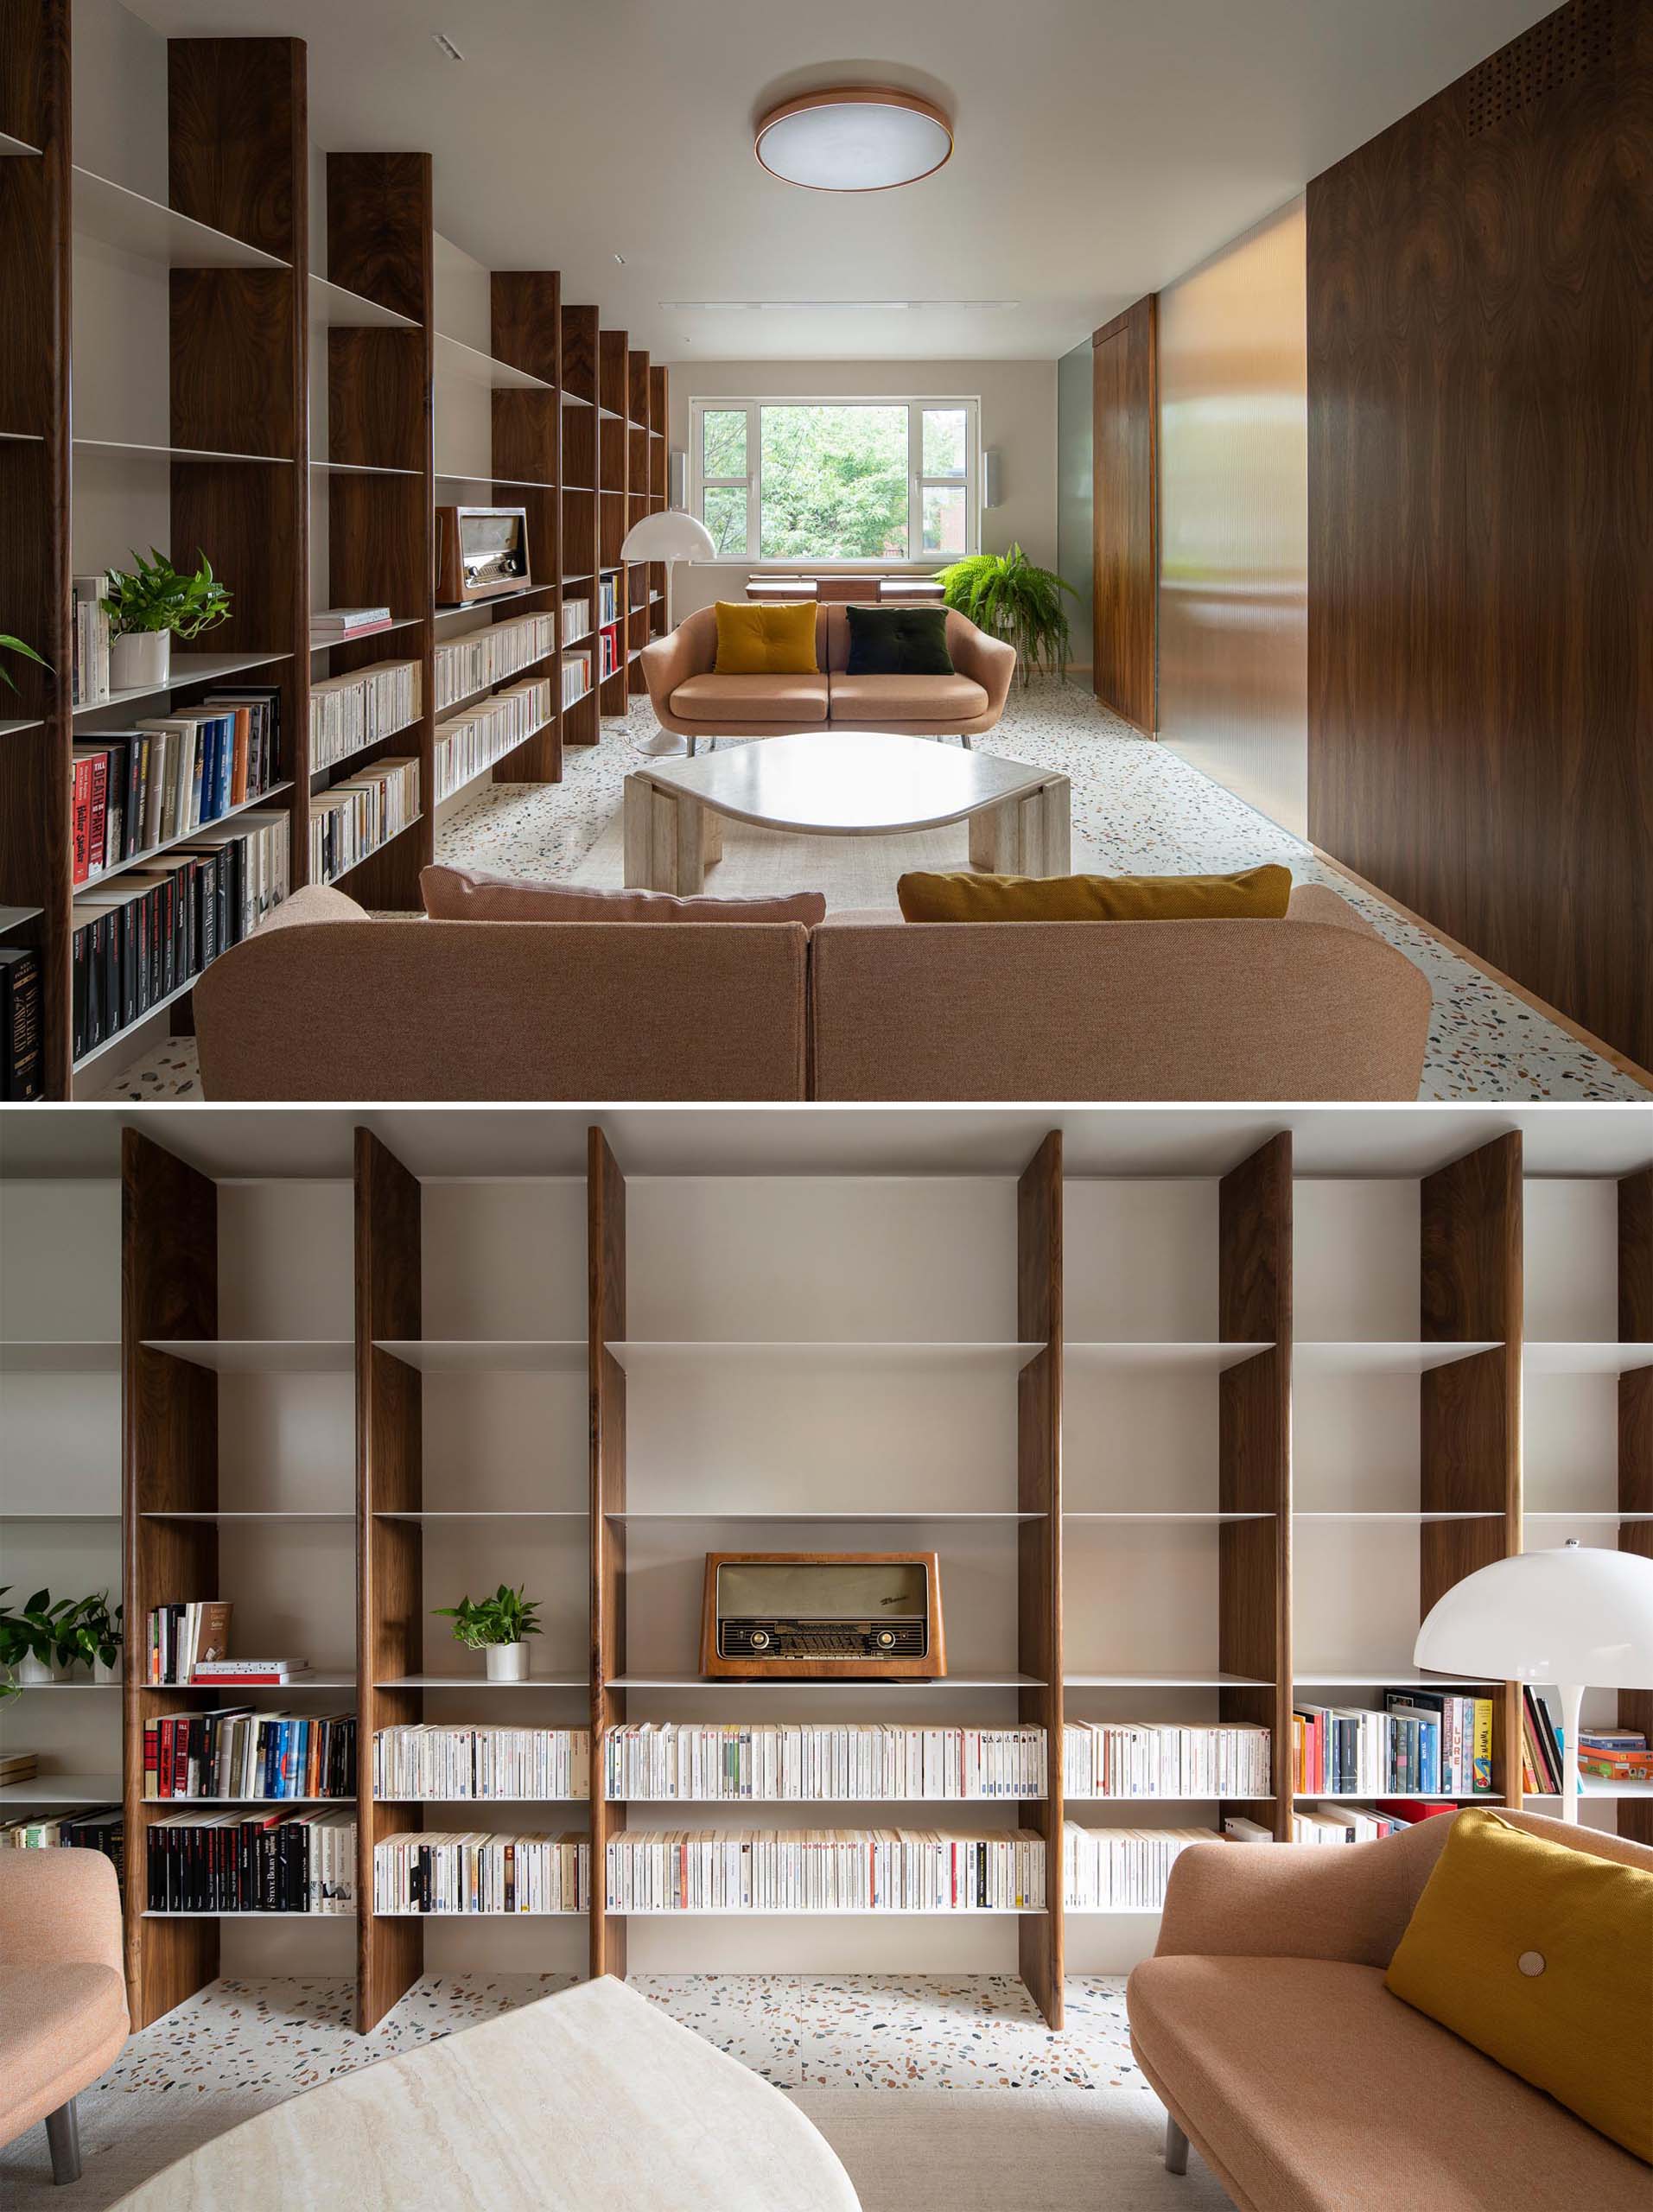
(1010, 597)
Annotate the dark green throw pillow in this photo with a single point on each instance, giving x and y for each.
(899, 641)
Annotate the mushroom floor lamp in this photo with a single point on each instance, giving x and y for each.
(1577, 1618)
(671, 536)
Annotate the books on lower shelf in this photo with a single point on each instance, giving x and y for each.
(666, 1760)
(1151, 1759)
(609, 653)
(1354, 1823)
(1422, 1743)
(21, 1036)
(133, 789)
(576, 620)
(150, 930)
(1122, 1870)
(348, 713)
(253, 1862)
(577, 677)
(822, 1870)
(179, 1635)
(236, 1752)
(426, 1871)
(469, 741)
(360, 813)
(89, 1828)
(607, 600)
(470, 663)
(424, 1761)
(89, 647)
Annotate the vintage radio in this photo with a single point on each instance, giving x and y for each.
(481, 552)
(809, 1614)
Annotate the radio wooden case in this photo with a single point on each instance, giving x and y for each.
(809, 1616)
(481, 552)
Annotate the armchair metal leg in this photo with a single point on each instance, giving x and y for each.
(63, 2135)
(1176, 2148)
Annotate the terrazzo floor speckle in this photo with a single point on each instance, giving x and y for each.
(864, 2031)
(1143, 811)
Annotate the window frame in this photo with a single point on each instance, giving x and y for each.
(918, 482)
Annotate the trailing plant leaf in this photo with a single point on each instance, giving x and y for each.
(39, 1630)
(154, 595)
(90, 1632)
(505, 1617)
(15, 645)
(1010, 597)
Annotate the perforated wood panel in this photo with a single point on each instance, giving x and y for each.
(1563, 47)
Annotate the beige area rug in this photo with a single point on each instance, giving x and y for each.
(905, 2150)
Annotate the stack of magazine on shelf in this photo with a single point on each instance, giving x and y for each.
(824, 1871)
(423, 1760)
(1151, 1759)
(425, 1871)
(253, 1862)
(777, 1760)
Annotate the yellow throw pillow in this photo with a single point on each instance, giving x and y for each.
(1542, 1957)
(1255, 894)
(766, 640)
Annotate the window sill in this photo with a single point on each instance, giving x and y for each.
(926, 566)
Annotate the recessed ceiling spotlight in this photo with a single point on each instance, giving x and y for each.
(441, 39)
(855, 138)
(620, 258)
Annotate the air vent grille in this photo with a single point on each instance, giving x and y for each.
(1555, 52)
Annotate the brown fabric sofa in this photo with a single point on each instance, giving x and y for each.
(324, 1002)
(689, 699)
(63, 2017)
(1262, 2024)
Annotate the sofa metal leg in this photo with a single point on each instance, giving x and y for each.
(1176, 2148)
(63, 2135)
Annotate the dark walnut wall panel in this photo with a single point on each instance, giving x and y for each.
(1125, 488)
(1480, 378)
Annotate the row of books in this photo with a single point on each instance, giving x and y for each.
(1614, 1754)
(91, 1828)
(1150, 1758)
(470, 664)
(609, 656)
(350, 712)
(133, 789)
(428, 1871)
(778, 1761)
(179, 1638)
(265, 1862)
(360, 814)
(1122, 1870)
(89, 646)
(1422, 1742)
(576, 620)
(469, 741)
(150, 930)
(607, 600)
(820, 1870)
(1351, 1823)
(236, 1752)
(576, 677)
(23, 1046)
(424, 1761)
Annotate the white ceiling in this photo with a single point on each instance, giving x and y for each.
(1124, 1140)
(1103, 146)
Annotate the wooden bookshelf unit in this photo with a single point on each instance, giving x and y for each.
(273, 356)
(1093, 1393)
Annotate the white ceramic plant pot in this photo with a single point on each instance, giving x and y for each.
(507, 1663)
(102, 1674)
(140, 660)
(31, 1671)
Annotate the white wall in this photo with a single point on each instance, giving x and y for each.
(1018, 407)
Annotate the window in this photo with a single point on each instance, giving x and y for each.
(852, 481)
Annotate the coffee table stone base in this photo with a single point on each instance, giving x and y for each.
(670, 841)
(1029, 835)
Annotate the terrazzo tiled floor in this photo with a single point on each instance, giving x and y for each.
(866, 2031)
(1140, 808)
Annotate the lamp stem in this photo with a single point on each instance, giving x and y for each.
(1572, 1696)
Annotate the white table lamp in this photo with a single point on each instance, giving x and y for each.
(1581, 1618)
(672, 534)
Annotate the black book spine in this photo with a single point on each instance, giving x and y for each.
(23, 1075)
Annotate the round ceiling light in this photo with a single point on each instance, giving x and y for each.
(863, 138)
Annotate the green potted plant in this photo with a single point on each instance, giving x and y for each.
(92, 1634)
(1008, 596)
(10, 645)
(151, 604)
(497, 1626)
(34, 1641)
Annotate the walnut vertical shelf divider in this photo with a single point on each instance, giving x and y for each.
(1470, 1291)
(1636, 1433)
(1253, 1461)
(581, 498)
(528, 448)
(169, 1463)
(380, 416)
(1038, 1544)
(390, 1555)
(614, 515)
(35, 552)
(606, 1270)
(660, 492)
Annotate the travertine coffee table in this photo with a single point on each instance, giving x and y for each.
(840, 784)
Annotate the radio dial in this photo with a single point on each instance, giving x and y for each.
(887, 1639)
(761, 1639)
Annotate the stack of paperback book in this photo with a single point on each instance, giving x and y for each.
(467, 665)
(470, 742)
(91, 1828)
(1122, 1870)
(519, 1764)
(348, 713)
(424, 1871)
(576, 620)
(242, 1862)
(1150, 1758)
(358, 816)
(236, 1752)
(336, 626)
(778, 1761)
(1424, 1743)
(577, 677)
(824, 1871)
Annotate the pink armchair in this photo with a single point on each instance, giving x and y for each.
(63, 2018)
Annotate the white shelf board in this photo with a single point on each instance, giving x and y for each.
(491, 1513)
(16, 724)
(824, 1682)
(63, 1790)
(455, 359)
(1593, 1785)
(491, 476)
(107, 211)
(568, 1912)
(89, 888)
(481, 1682)
(498, 599)
(1585, 1359)
(1157, 1797)
(1148, 1514)
(1177, 1681)
(1565, 1514)
(362, 858)
(101, 1356)
(739, 1804)
(223, 1685)
(13, 918)
(637, 1356)
(409, 1797)
(288, 1514)
(360, 468)
(88, 1684)
(577, 399)
(1419, 1516)
(1422, 1796)
(401, 622)
(489, 1355)
(9, 145)
(823, 1912)
(146, 448)
(1119, 1911)
(834, 1514)
(103, 1519)
(333, 306)
(1403, 1676)
(187, 1804)
(308, 1917)
(186, 668)
(1206, 1358)
(274, 1355)
(1405, 1358)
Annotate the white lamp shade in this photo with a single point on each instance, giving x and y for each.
(672, 535)
(1577, 1614)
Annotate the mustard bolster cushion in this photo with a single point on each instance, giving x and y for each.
(1255, 894)
(1542, 1957)
(766, 640)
